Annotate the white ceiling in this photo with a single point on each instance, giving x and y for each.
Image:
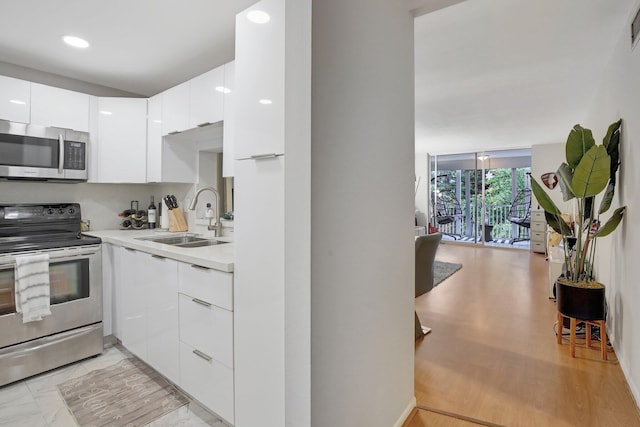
(141, 46)
(490, 74)
(494, 74)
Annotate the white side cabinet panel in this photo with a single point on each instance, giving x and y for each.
(259, 79)
(51, 106)
(108, 269)
(259, 291)
(228, 132)
(15, 100)
(161, 275)
(175, 109)
(206, 98)
(154, 138)
(122, 140)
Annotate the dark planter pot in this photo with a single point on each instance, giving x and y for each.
(580, 303)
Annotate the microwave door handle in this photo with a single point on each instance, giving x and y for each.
(61, 154)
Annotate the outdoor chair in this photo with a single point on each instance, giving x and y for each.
(520, 212)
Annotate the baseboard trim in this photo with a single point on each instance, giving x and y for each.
(405, 414)
(635, 394)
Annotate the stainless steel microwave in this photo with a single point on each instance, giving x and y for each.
(29, 152)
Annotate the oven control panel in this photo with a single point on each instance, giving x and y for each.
(40, 213)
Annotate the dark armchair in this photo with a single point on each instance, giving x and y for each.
(426, 248)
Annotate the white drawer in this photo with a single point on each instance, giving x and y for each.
(538, 247)
(207, 328)
(208, 381)
(537, 216)
(537, 236)
(212, 286)
(538, 226)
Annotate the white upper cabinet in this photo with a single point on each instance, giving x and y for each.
(167, 160)
(15, 100)
(51, 106)
(121, 147)
(228, 132)
(175, 109)
(259, 80)
(206, 98)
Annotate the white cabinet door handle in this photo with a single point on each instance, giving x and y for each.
(199, 301)
(202, 355)
(263, 156)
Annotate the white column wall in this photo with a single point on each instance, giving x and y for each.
(362, 213)
(617, 265)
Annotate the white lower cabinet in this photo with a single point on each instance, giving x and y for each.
(207, 328)
(206, 337)
(133, 328)
(177, 317)
(161, 275)
(207, 380)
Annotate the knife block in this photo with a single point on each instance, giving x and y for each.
(176, 220)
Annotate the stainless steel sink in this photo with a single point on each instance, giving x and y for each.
(183, 241)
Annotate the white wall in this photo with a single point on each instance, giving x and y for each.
(617, 265)
(37, 76)
(547, 158)
(362, 253)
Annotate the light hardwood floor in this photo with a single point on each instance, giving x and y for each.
(492, 353)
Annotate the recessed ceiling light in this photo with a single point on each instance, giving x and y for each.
(223, 89)
(106, 113)
(258, 16)
(76, 42)
(17, 101)
(157, 121)
(265, 102)
(483, 158)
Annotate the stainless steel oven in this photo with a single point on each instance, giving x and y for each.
(73, 331)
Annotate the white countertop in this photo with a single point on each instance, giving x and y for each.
(218, 257)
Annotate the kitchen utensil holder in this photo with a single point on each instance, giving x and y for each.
(176, 220)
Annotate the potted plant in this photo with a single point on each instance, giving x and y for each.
(589, 170)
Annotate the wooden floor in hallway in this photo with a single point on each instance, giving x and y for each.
(492, 354)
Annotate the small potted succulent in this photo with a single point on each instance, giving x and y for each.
(589, 170)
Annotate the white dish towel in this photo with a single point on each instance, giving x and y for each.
(33, 288)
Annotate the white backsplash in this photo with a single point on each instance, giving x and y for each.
(100, 203)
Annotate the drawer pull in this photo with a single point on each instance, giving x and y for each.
(158, 257)
(201, 125)
(263, 156)
(199, 301)
(175, 132)
(130, 250)
(202, 355)
(199, 267)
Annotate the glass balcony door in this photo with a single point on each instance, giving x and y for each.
(472, 197)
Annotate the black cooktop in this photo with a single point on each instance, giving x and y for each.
(28, 227)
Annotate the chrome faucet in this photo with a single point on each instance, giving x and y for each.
(192, 206)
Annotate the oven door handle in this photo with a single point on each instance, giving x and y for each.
(59, 255)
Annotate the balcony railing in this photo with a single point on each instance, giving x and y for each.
(496, 216)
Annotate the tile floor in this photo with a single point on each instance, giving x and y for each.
(35, 401)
